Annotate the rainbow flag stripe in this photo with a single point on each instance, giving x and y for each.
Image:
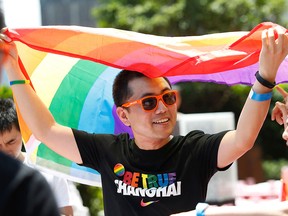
(72, 69)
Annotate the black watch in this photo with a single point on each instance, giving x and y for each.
(264, 82)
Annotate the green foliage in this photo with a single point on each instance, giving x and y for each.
(5, 92)
(92, 197)
(187, 17)
(205, 97)
(245, 14)
(143, 16)
(272, 168)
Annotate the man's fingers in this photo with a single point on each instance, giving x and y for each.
(279, 31)
(279, 113)
(271, 38)
(3, 30)
(5, 38)
(284, 95)
(282, 91)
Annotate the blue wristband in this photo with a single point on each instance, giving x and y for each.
(200, 209)
(259, 97)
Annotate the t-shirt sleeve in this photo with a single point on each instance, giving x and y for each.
(206, 149)
(92, 147)
(61, 191)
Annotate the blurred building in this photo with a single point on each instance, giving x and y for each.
(68, 12)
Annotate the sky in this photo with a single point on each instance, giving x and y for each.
(22, 13)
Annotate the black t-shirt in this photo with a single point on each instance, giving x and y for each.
(169, 180)
(24, 191)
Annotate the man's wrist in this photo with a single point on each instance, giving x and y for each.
(264, 82)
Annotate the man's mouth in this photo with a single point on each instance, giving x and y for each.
(161, 121)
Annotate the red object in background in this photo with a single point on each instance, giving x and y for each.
(283, 191)
(284, 181)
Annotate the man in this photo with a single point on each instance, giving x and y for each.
(11, 144)
(154, 173)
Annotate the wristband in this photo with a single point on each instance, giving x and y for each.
(259, 97)
(16, 82)
(264, 82)
(200, 209)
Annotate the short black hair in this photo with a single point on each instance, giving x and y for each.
(8, 115)
(121, 91)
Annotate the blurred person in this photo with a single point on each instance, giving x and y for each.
(11, 144)
(153, 173)
(24, 191)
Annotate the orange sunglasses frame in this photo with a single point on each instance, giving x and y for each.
(158, 97)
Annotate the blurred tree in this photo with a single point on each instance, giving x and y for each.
(5, 92)
(187, 17)
(92, 197)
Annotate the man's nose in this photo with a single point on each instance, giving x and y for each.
(161, 107)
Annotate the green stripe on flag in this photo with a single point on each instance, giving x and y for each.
(68, 101)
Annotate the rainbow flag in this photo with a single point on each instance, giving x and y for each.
(72, 69)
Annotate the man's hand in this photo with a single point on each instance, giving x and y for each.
(280, 112)
(9, 46)
(273, 52)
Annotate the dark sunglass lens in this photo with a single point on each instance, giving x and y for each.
(169, 98)
(149, 103)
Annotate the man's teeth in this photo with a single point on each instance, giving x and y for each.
(161, 121)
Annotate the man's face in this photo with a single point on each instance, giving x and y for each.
(151, 125)
(11, 142)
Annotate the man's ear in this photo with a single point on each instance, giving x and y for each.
(122, 114)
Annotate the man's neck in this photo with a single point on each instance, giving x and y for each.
(150, 145)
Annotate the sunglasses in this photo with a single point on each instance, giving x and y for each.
(150, 103)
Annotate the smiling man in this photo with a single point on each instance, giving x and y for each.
(153, 172)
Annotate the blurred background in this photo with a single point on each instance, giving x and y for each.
(172, 18)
